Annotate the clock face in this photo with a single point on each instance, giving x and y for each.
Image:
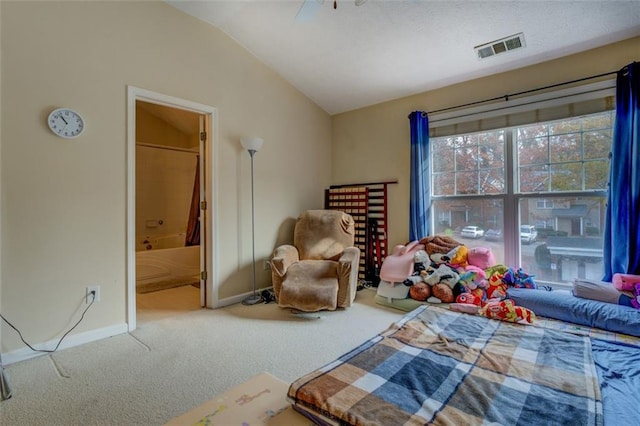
(65, 123)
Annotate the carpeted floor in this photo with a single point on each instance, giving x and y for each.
(171, 364)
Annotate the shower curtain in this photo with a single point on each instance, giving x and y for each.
(193, 226)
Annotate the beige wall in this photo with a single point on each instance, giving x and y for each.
(64, 201)
(373, 143)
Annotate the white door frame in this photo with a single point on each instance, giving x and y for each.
(134, 94)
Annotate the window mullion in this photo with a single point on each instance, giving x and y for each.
(511, 214)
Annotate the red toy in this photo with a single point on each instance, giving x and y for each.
(505, 310)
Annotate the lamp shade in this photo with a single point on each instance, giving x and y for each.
(252, 143)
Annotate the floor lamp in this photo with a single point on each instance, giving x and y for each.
(5, 390)
(253, 145)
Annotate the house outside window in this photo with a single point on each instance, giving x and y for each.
(550, 175)
(544, 204)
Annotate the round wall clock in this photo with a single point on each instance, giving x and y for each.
(65, 123)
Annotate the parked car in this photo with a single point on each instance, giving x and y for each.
(528, 234)
(493, 235)
(472, 232)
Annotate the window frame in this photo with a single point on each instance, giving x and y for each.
(511, 198)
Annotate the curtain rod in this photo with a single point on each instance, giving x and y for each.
(507, 96)
(364, 184)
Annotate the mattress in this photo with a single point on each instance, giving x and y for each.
(436, 366)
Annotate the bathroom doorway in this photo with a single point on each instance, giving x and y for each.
(169, 224)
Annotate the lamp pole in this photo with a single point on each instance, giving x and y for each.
(254, 298)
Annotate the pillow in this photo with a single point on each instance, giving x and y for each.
(563, 305)
(598, 290)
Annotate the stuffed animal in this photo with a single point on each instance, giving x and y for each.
(469, 299)
(482, 257)
(497, 289)
(439, 259)
(625, 282)
(518, 279)
(421, 269)
(443, 275)
(473, 277)
(496, 268)
(420, 291)
(635, 301)
(442, 281)
(439, 244)
(442, 293)
(506, 310)
(458, 257)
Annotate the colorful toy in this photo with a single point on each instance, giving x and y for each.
(497, 288)
(473, 278)
(469, 299)
(458, 257)
(506, 310)
(625, 282)
(518, 279)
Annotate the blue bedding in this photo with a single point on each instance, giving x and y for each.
(618, 369)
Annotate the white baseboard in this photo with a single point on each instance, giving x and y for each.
(69, 342)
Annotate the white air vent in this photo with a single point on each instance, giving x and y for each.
(496, 47)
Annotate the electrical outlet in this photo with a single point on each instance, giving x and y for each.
(267, 265)
(96, 297)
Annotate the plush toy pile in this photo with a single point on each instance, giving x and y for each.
(468, 279)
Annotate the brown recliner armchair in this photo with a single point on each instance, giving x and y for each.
(320, 270)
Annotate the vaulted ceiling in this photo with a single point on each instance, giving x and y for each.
(352, 56)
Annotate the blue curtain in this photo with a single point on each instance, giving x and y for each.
(420, 191)
(622, 221)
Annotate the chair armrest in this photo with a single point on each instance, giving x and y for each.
(348, 266)
(283, 257)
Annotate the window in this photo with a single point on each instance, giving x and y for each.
(544, 204)
(541, 187)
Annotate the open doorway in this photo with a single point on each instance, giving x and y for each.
(169, 228)
(167, 209)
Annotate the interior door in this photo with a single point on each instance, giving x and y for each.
(203, 210)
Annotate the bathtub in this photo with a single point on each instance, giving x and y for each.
(170, 266)
(162, 241)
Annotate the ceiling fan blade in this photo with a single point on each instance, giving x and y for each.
(308, 10)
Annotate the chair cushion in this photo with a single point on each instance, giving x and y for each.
(323, 234)
(310, 285)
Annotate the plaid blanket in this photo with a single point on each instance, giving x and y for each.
(436, 366)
